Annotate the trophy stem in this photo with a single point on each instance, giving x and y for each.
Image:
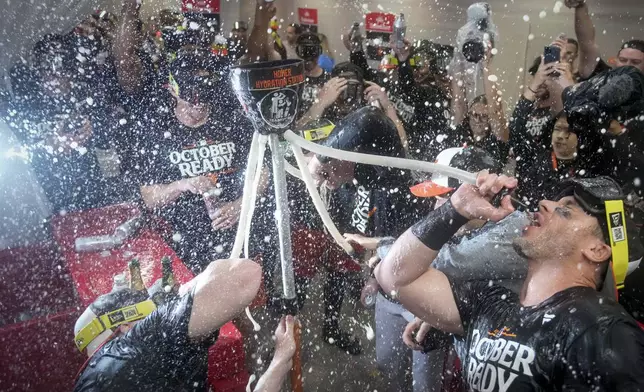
(283, 217)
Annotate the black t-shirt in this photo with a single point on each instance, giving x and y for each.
(155, 355)
(462, 135)
(600, 68)
(166, 151)
(311, 91)
(574, 341)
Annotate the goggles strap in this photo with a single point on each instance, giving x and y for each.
(618, 239)
(318, 133)
(112, 320)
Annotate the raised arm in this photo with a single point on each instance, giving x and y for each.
(129, 67)
(585, 31)
(459, 100)
(259, 46)
(406, 272)
(498, 122)
(222, 291)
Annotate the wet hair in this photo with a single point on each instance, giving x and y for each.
(297, 27)
(480, 99)
(574, 42)
(535, 66)
(348, 67)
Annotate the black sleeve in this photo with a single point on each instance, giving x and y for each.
(607, 357)
(628, 155)
(167, 328)
(475, 297)
(406, 79)
(359, 58)
(520, 139)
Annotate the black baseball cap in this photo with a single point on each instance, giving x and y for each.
(637, 44)
(197, 74)
(602, 197)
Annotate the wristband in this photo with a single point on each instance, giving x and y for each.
(439, 226)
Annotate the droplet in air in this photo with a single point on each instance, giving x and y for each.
(526, 18)
(494, 51)
(492, 78)
(176, 237)
(530, 37)
(219, 248)
(543, 14)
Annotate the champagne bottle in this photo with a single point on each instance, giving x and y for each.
(400, 31)
(168, 281)
(136, 280)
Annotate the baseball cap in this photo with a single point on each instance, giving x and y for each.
(196, 75)
(602, 197)
(110, 311)
(471, 159)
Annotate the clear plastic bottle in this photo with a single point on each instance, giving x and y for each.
(355, 37)
(400, 31)
(211, 198)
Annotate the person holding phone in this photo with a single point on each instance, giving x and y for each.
(631, 53)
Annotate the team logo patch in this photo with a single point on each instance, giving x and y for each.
(278, 109)
(617, 227)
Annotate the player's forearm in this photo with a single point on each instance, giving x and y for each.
(413, 253)
(159, 195)
(273, 378)
(459, 101)
(585, 31)
(258, 46)
(393, 116)
(129, 69)
(315, 112)
(498, 122)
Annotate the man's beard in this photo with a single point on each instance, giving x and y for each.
(520, 245)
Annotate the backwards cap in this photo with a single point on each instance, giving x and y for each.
(110, 311)
(196, 75)
(603, 198)
(471, 159)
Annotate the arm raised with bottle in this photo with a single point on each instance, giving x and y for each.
(405, 272)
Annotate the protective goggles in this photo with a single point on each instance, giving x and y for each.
(353, 92)
(603, 198)
(308, 52)
(111, 320)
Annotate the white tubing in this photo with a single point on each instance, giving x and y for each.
(378, 160)
(317, 201)
(292, 170)
(248, 183)
(253, 196)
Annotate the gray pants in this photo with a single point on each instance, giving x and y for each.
(403, 369)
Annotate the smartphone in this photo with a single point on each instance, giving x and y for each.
(551, 54)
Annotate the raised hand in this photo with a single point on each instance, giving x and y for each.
(473, 201)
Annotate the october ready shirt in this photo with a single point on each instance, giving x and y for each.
(574, 341)
(168, 151)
